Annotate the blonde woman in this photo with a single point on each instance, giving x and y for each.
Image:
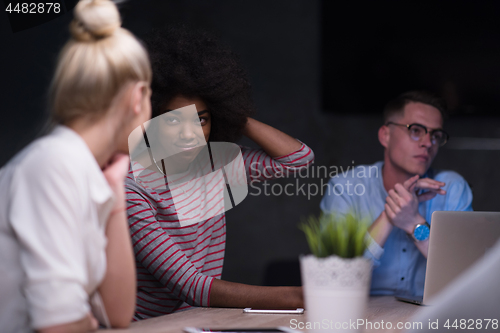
(65, 252)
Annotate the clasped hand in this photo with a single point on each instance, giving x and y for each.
(115, 172)
(402, 202)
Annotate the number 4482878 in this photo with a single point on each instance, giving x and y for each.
(34, 8)
(472, 324)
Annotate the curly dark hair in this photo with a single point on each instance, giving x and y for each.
(195, 64)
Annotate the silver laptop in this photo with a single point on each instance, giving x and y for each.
(456, 241)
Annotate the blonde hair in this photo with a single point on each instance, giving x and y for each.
(99, 59)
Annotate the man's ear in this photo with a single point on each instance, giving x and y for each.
(384, 135)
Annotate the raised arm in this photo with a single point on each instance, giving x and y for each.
(401, 206)
(341, 204)
(118, 288)
(280, 154)
(274, 142)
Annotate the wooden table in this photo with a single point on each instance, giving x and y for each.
(383, 308)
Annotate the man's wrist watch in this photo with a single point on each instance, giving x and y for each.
(421, 232)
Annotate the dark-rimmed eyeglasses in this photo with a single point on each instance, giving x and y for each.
(418, 131)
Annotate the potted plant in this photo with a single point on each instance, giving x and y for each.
(336, 276)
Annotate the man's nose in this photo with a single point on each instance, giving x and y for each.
(426, 140)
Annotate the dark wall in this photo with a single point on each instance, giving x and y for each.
(280, 44)
(373, 50)
(27, 60)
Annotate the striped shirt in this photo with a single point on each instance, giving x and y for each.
(177, 262)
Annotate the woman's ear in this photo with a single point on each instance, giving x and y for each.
(141, 94)
(384, 135)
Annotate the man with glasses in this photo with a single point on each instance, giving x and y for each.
(399, 194)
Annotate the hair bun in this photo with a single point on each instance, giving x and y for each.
(94, 19)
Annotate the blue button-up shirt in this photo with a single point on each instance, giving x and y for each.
(399, 266)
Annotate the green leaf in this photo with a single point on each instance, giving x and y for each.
(331, 234)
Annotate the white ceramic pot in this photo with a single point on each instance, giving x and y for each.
(336, 292)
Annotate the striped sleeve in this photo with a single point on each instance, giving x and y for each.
(260, 166)
(160, 255)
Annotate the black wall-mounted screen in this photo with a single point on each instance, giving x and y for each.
(374, 50)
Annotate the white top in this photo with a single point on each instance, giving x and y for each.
(54, 204)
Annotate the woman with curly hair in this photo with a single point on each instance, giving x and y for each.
(180, 265)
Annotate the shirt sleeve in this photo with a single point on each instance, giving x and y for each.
(260, 166)
(373, 250)
(45, 216)
(160, 255)
(340, 205)
(459, 196)
(335, 203)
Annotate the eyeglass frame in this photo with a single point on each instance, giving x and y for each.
(408, 126)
